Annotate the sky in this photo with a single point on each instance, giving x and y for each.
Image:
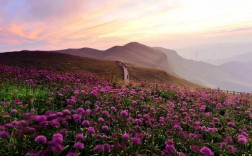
(100, 24)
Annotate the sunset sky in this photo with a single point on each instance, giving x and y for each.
(59, 24)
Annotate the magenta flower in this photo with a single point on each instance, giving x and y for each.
(77, 117)
(13, 111)
(72, 154)
(130, 119)
(136, 141)
(85, 123)
(58, 138)
(78, 145)
(216, 119)
(181, 154)
(100, 120)
(66, 112)
(79, 137)
(4, 134)
(231, 148)
(231, 124)
(244, 134)
(113, 109)
(126, 136)
(242, 140)
(124, 113)
(90, 130)
(206, 151)
(102, 148)
(81, 110)
(40, 118)
(105, 128)
(177, 127)
(41, 139)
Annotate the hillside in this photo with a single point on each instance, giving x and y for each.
(201, 73)
(133, 53)
(64, 62)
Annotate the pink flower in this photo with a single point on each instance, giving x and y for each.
(58, 138)
(78, 145)
(13, 111)
(85, 123)
(72, 154)
(41, 139)
(126, 136)
(136, 141)
(242, 140)
(90, 130)
(77, 117)
(124, 113)
(100, 120)
(4, 134)
(231, 124)
(105, 128)
(206, 151)
(79, 137)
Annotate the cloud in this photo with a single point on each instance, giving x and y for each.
(60, 23)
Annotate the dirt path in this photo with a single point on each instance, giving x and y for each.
(125, 71)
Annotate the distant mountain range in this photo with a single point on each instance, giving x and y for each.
(230, 76)
(168, 60)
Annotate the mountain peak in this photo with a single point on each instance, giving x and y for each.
(134, 44)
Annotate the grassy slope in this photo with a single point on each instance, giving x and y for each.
(60, 62)
(149, 74)
(64, 62)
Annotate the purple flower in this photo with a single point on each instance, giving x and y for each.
(40, 118)
(130, 119)
(100, 120)
(136, 141)
(231, 124)
(194, 148)
(206, 151)
(216, 119)
(72, 154)
(231, 148)
(242, 140)
(79, 137)
(78, 145)
(181, 154)
(81, 110)
(169, 148)
(77, 117)
(113, 109)
(177, 127)
(85, 123)
(41, 139)
(244, 134)
(102, 148)
(13, 111)
(4, 134)
(126, 136)
(56, 147)
(66, 112)
(106, 113)
(99, 148)
(105, 128)
(90, 130)
(58, 138)
(161, 119)
(124, 113)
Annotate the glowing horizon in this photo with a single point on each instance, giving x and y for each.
(60, 24)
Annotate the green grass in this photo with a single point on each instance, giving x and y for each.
(10, 91)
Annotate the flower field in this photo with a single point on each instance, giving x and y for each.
(52, 113)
